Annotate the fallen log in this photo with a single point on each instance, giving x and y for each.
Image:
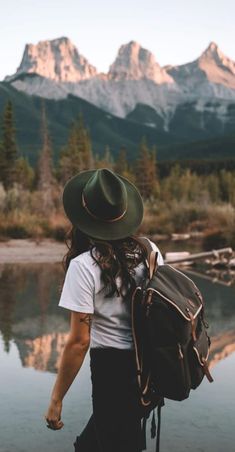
(216, 254)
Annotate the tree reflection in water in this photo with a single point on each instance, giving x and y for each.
(29, 313)
(30, 316)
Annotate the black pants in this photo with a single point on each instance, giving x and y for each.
(115, 425)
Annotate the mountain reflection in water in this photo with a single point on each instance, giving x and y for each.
(30, 316)
(33, 331)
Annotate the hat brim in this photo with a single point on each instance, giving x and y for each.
(101, 229)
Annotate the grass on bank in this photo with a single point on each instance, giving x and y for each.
(23, 214)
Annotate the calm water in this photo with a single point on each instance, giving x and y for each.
(32, 335)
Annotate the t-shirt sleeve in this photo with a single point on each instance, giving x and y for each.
(160, 259)
(78, 289)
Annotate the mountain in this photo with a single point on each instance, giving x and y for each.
(105, 129)
(188, 103)
(134, 77)
(54, 69)
(108, 130)
(143, 114)
(133, 62)
(210, 75)
(57, 60)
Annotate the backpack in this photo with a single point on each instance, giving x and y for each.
(170, 337)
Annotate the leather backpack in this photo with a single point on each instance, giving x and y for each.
(170, 336)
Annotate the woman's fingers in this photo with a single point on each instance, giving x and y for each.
(54, 424)
(53, 416)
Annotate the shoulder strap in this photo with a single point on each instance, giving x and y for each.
(151, 255)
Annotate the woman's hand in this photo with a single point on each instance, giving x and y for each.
(72, 358)
(53, 415)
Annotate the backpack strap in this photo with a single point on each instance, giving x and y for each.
(158, 426)
(153, 424)
(143, 444)
(152, 255)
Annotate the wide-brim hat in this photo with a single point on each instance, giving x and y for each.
(103, 204)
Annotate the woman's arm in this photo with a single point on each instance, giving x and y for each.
(72, 358)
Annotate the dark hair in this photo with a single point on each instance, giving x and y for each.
(116, 258)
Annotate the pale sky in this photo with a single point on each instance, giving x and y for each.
(175, 31)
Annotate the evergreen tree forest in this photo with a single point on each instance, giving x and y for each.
(178, 198)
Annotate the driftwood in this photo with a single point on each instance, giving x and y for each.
(214, 254)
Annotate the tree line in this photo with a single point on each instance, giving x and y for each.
(177, 182)
(75, 156)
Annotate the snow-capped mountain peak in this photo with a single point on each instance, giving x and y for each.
(58, 60)
(133, 62)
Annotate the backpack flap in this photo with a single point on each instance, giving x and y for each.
(169, 330)
(179, 291)
(174, 307)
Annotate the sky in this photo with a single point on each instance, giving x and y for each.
(175, 31)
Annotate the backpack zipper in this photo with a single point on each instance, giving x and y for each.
(181, 356)
(193, 325)
(148, 301)
(138, 365)
(173, 304)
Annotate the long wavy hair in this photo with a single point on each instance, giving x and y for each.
(116, 259)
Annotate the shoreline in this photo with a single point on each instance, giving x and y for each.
(31, 251)
(47, 250)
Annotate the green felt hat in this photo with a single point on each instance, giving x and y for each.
(103, 205)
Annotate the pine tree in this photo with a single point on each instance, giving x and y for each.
(45, 180)
(8, 149)
(2, 164)
(170, 187)
(122, 167)
(106, 161)
(77, 154)
(25, 173)
(227, 186)
(153, 176)
(45, 176)
(145, 171)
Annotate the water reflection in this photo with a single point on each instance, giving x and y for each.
(30, 316)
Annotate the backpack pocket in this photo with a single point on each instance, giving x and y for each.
(198, 356)
(170, 372)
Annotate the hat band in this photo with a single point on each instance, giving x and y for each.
(98, 218)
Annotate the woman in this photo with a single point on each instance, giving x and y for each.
(104, 264)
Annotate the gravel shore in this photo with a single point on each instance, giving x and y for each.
(26, 250)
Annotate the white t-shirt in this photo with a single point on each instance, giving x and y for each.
(82, 292)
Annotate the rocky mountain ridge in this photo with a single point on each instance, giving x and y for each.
(54, 69)
(57, 60)
(133, 62)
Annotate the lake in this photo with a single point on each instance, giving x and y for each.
(33, 331)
